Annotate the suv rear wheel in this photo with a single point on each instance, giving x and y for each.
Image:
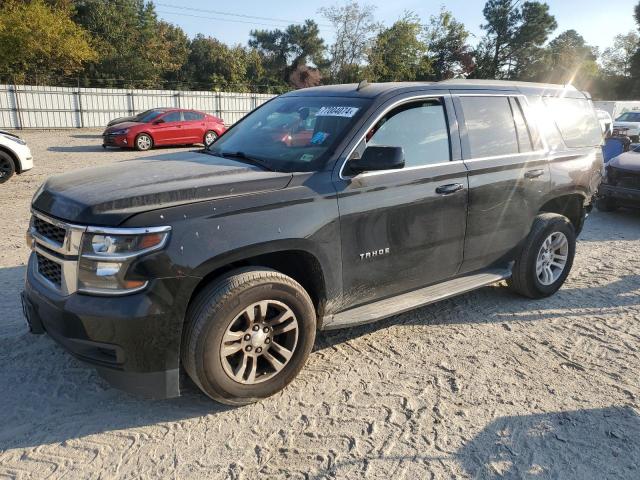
(248, 335)
(546, 257)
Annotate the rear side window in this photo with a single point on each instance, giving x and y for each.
(576, 119)
(193, 116)
(420, 128)
(490, 126)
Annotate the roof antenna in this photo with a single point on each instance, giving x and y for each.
(361, 85)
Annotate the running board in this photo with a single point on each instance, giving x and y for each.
(409, 301)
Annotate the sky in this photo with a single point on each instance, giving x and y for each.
(598, 21)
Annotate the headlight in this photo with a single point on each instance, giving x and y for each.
(120, 132)
(106, 255)
(14, 139)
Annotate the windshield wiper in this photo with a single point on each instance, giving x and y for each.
(246, 158)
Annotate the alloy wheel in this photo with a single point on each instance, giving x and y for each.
(259, 342)
(552, 258)
(6, 168)
(209, 138)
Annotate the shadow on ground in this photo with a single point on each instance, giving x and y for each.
(48, 396)
(499, 305)
(573, 445)
(589, 444)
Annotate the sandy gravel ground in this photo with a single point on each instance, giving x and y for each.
(485, 385)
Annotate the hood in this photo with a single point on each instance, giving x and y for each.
(120, 126)
(106, 196)
(120, 120)
(626, 124)
(629, 161)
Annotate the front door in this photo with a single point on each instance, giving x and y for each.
(168, 129)
(404, 229)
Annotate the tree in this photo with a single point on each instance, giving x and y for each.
(213, 64)
(136, 49)
(448, 51)
(36, 38)
(635, 60)
(355, 28)
(398, 54)
(616, 60)
(285, 51)
(514, 35)
(568, 59)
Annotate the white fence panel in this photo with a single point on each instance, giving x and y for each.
(26, 106)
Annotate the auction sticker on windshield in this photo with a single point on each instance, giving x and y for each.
(337, 112)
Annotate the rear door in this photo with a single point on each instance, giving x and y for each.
(194, 126)
(404, 229)
(169, 131)
(508, 174)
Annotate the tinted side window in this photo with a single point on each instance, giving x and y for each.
(193, 116)
(549, 130)
(172, 117)
(490, 126)
(524, 138)
(419, 128)
(576, 120)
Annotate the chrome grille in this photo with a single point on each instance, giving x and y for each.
(49, 230)
(56, 247)
(50, 270)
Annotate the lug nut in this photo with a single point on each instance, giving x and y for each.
(248, 348)
(267, 340)
(256, 328)
(247, 337)
(258, 350)
(266, 329)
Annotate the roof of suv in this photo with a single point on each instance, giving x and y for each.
(372, 90)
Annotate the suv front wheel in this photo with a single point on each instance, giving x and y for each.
(248, 335)
(546, 258)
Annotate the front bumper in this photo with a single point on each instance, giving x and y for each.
(623, 195)
(133, 341)
(109, 140)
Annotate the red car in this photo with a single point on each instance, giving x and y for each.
(164, 126)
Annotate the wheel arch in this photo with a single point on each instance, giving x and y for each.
(568, 204)
(293, 260)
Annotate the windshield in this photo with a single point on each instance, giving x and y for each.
(292, 134)
(629, 117)
(146, 117)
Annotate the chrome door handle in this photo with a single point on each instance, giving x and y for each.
(534, 173)
(449, 189)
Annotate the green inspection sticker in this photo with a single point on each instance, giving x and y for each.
(307, 157)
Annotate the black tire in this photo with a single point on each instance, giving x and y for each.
(605, 204)
(217, 306)
(7, 167)
(524, 279)
(204, 139)
(142, 145)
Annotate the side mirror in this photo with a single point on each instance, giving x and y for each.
(158, 122)
(377, 158)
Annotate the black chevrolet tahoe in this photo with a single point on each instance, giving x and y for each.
(324, 208)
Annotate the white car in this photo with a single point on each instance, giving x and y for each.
(15, 156)
(606, 122)
(628, 124)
